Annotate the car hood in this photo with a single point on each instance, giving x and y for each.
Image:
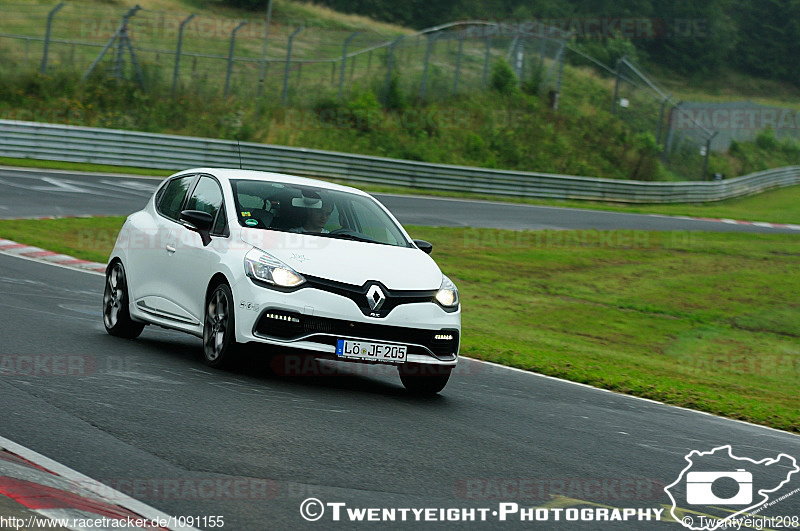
(351, 262)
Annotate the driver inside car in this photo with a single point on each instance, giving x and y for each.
(316, 218)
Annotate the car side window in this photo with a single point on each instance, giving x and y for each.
(206, 197)
(220, 224)
(171, 199)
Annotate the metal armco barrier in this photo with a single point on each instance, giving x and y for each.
(169, 152)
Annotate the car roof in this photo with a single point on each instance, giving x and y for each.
(252, 175)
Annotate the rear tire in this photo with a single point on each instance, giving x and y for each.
(219, 336)
(116, 312)
(424, 380)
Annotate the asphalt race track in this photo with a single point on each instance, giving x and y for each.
(149, 418)
(39, 193)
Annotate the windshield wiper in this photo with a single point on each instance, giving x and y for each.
(351, 236)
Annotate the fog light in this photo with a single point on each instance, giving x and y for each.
(280, 317)
(443, 337)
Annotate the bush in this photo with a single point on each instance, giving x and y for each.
(362, 103)
(790, 147)
(394, 98)
(503, 79)
(766, 139)
(252, 5)
(646, 167)
(607, 51)
(533, 82)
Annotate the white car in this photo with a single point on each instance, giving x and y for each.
(244, 257)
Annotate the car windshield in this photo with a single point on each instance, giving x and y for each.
(314, 211)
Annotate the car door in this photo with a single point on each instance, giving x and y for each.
(152, 262)
(192, 264)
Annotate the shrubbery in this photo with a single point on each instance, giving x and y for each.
(500, 128)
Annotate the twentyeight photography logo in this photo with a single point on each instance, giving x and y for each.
(737, 487)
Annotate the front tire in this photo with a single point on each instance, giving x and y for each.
(219, 336)
(116, 312)
(424, 380)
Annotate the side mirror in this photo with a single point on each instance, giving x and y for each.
(425, 247)
(200, 222)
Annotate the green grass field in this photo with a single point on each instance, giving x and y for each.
(702, 320)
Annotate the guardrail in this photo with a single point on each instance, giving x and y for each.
(147, 150)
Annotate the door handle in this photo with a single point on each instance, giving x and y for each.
(171, 248)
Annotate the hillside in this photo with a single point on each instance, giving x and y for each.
(691, 38)
(499, 125)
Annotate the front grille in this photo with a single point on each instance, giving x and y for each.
(325, 330)
(358, 294)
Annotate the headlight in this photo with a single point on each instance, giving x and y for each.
(266, 268)
(447, 295)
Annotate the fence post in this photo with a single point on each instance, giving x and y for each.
(121, 33)
(486, 58)
(542, 52)
(458, 61)
(263, 73)
(661, 120)
(178, 51)
(424, 85)
(344, 61)
(668, 140)
(616, 85)
(27, 51)
(47, 35)
(285, 92)
(708, 153)
(517, 59)
(230, 55)
(562, 55)
(390, 64)
(139, 74)
(118, 66)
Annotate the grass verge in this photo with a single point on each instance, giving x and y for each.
(702, 320)
(85, 238)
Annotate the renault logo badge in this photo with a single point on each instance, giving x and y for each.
(375, 298)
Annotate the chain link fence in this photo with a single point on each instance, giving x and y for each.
(240, 57)
(300, 65)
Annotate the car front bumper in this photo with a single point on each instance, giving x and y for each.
(313, 320)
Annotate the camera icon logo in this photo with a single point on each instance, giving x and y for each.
(699, 492)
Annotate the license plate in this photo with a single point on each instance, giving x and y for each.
(364, 350)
